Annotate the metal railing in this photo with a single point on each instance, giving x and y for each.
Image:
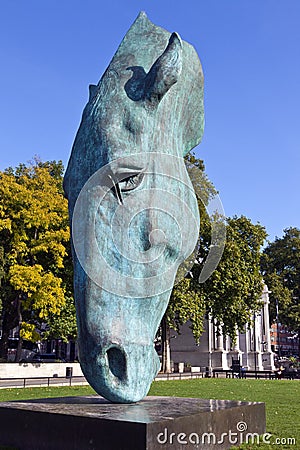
(25, 382)
(266, 374)
(180, 376)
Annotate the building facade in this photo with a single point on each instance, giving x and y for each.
(283, 341)
(216, 351)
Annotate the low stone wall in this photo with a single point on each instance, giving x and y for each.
(28, 370)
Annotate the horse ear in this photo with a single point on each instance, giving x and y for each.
(164, 72)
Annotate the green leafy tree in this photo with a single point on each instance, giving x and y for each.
(233, 291)
(34, 238)
(1, 272)
(63, 326)
(281, 270)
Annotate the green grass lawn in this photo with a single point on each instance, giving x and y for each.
(282, 398)
(7, 395)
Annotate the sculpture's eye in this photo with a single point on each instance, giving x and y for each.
(126, 180)
(130, 182)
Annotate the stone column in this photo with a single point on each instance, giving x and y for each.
(210, 331)
(267, 336)
(219, 356)
(245, 346)
(236, 347)
(235, 351)
(259, 339)
(255, 354)
(257, 332)
(268, 355)
(220, 339)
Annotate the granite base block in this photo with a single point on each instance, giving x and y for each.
(155, 423)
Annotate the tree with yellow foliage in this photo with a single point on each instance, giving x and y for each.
(35, 266)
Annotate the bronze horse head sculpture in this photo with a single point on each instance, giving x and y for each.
(132, 207)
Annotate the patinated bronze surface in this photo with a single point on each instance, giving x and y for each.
(133, 211)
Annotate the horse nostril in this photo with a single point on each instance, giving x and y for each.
(117, 362)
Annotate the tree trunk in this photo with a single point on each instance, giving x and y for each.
(57, 348)
(19, 350)
(4, 342)
(9, 322)
(165, 340)
(20, 342)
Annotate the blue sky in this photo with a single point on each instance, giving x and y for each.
(51, 50)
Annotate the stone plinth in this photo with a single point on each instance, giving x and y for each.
(92, 423)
